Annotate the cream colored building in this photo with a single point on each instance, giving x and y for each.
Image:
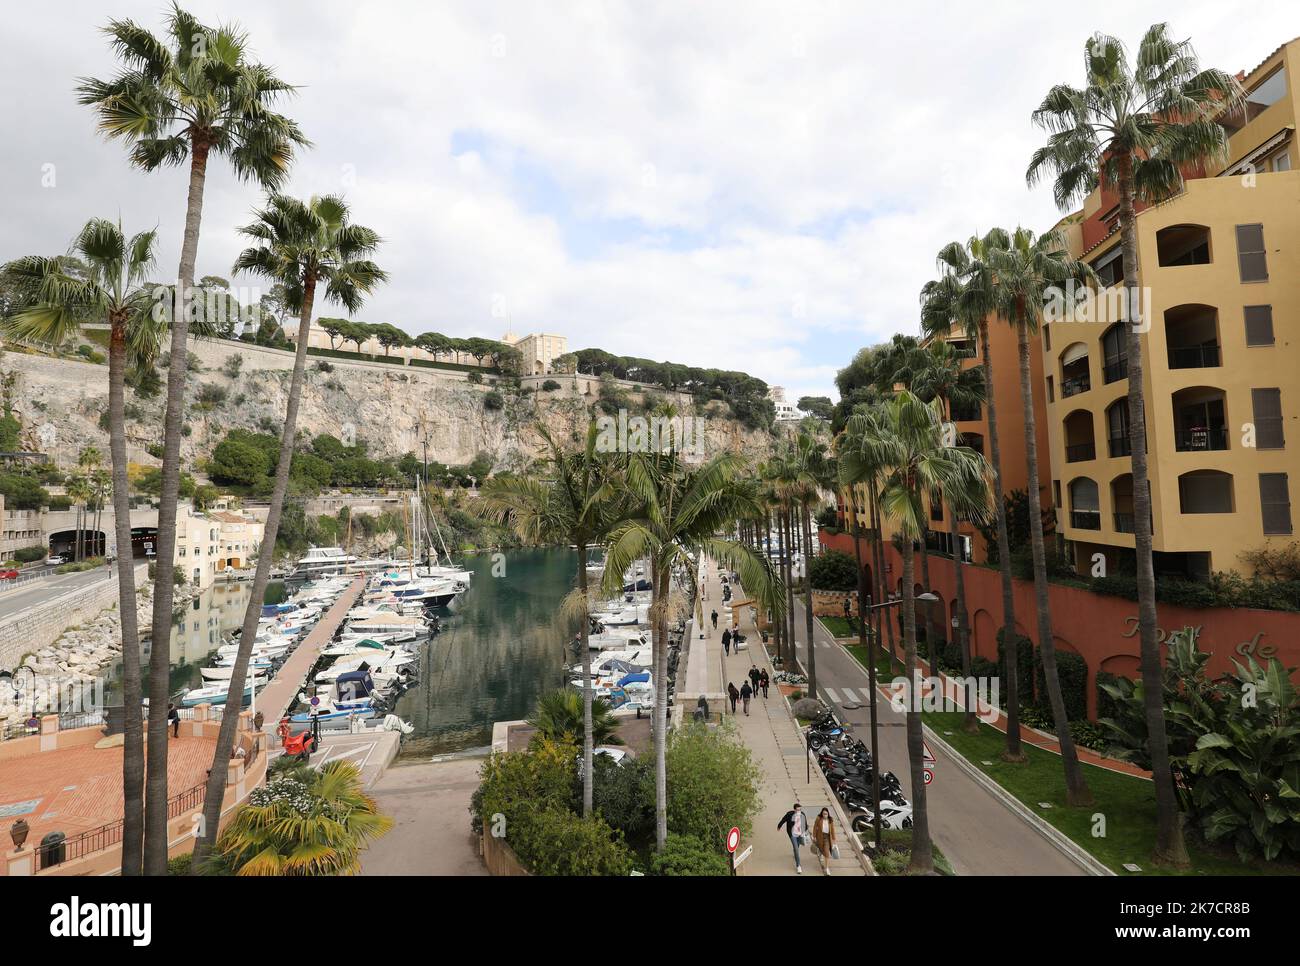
(209, 543)
(1220, 267)
(538, 351)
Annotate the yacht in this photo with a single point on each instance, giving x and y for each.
(323, 561)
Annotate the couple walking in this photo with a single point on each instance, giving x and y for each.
(795, 822)
(743, 695)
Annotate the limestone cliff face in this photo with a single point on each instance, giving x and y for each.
(391, 408)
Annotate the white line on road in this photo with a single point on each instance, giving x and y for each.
(850, 696)
(830, 693)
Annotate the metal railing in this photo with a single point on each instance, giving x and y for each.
(1201, 440)
(1193, 357)
(1085, 519)
(1124, 522)
(1080, 452)
(1075, 385)
(1115, 370)
(1120, 446)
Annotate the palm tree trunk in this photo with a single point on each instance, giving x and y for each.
(234, 694)
(787, 654)
(871, 667)
(1076, 787)
(1170, 847)
(133, 729)
(787, 523)
(931, 641)
(969, 722)
(806, 517)
(884, 621)
(1013, 752)
(155, 828)
(659, 592)
(588, 766)
(922, 850)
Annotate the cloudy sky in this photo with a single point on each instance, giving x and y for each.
(758, 186)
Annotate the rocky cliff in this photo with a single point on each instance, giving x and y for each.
(392, 408)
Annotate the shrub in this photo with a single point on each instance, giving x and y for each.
(323, 366)
(210, 394)
(833, 570)
(475, 377)
(29, 554)
(493, 401)
(555, 841)
(688, 855)
(550, 385)
(90, 355)
(1106, 706)
(712, 783)
(1072, 672)
(623, 795)
(541, 777)
(1024, 665)
(233, 365)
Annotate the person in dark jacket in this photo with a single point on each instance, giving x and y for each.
(796, 825)
(753, 678)
(174, 717)
(763, 681)
(734, 695)
(746, 692)
(726, 640)
(714, 615)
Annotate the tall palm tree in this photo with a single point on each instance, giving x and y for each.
(576, 503)
(87, 460)
(1133, 130)
(187, 95)
(937, 373)
(107, 282)
(678, 515)
(962, 296)
(1024, 270)
(813, 471)
(905, 438)
(563, 713)
(80, 491)
(310, 248)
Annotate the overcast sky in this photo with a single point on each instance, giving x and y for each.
(745, 185)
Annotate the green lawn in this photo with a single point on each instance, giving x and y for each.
(1127, 803)
(839, 627)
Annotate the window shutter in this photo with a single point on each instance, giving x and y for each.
(1259, 324)
(1251, 259)
(1267, 405)
(1275, 503)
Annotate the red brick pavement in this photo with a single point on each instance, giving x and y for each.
(81, 788)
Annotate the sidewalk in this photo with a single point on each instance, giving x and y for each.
(771, 733)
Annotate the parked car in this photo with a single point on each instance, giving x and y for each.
(8, 575)
(54, 561)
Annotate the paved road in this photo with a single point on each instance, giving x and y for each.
(14, 598)
(429, 805)
(978, 834)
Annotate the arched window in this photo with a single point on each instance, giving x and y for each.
(1085, 504)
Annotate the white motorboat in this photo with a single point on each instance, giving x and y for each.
(323, 561)
(216, 693)
(223, 672)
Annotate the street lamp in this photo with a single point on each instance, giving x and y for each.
(929, 598)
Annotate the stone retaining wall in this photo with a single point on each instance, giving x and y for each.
(40, 626)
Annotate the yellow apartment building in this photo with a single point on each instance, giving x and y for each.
(1219, 268)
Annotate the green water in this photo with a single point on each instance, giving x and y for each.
(499, 649)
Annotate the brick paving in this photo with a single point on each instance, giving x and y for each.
(81, 788)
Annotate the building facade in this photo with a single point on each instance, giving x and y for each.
(1217, 272)
(538, 351)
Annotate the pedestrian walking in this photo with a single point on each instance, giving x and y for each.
(174, 719)
(796, 825)
(726, 640)
(746, 692)
(823, 836)
(763, 681)
(714, 616)
(753, 677)
(734, 695)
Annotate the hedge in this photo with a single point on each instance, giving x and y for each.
(1072, 671)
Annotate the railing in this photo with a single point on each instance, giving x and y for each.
(1075, 385)
(1193, 356)
(20, 730)
(967, 414)
(80, 719)
(1120, 446)
(1080, 452)
(1085, 519)
(1200, 440)
(1124, 523)
(98, 839)
(1115, 370)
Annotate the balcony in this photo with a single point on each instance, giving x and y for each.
(1192, 335)
(1080, 443)
(1183, 245)
(1080, 452)
(1120, 446)
(1124, 523)
(1200, 420)
(1115, 370)
(1085, 508)
(1075, 376)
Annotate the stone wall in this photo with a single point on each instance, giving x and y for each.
(40, 626)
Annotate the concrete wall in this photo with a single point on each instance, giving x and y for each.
(499, 857)
(39, 626)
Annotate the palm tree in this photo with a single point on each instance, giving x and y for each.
(79, 490)
(1134, 130)
(962, 295)
(905, 439)
(275, 835)
(813, 475)
(676, 519)
(1025, 270)
(937, 373)
(87, 460)
(576, 505)
(563, 713)
(306, 247)
(109, 283)
(189, 94)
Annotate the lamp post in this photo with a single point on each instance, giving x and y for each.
(871, 678)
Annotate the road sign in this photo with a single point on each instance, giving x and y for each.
(749, 850)
(927, 756)
(733, 839)
(929, 775)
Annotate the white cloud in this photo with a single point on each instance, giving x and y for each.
(793, 168)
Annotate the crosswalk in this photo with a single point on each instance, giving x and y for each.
(850, 696)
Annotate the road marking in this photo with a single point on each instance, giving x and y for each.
(830, 693)
(850, 696)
